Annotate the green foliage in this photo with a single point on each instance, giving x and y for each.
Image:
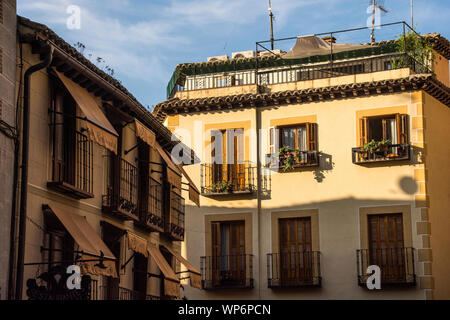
(224, 186)
(376, 146)
(288, 157)
(415, 47)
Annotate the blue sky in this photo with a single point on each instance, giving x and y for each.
(143, 41)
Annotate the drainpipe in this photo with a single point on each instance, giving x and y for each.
(24, 177)
(258, 196)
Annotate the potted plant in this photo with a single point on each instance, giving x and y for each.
(376, 147)
(287, 158)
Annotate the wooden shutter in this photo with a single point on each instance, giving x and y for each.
(311, 136)
(402, 128)
(363, 131)
(215, 253)
(384, 126)
(272, 140)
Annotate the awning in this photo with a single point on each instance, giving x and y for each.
(173, 171)
(194, 274)
(147, 135)
(171, 282)
(309, 46)
(137, 244)
(194, 193)
(89, 243)
(99, 129)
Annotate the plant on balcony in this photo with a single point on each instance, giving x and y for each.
(289, 157)
(226, 276)
(377, 146)
(416, 47)
(221, 187)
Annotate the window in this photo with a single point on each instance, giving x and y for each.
(293, 146)
(389, 127)
(296, 260)
(140, 277)
(228, 158)
(301, 137)
(58, 244)
(386, 247)
(228, 253)
(72, 152)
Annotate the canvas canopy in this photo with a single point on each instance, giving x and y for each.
(89, 243)
(171, 282)
(309, 46)
(194, 274)
(99, 129)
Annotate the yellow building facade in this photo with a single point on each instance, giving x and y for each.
(309, 204)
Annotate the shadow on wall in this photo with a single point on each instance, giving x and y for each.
(325, 164)
(344, 209)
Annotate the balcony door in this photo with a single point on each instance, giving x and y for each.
(296, 261)
(386, 247)
(228, 253)
(228, 157)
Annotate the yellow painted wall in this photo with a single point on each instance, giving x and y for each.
(437, 155)
(441, 69)
(337, 191)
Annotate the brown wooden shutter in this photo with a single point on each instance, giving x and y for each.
(311, 136)
(215, 232)
(384, 125)
(363, 131)
(402, 128)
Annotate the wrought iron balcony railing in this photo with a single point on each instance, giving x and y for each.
(294, 269)
(121, 197)
(295, 159)
(175, 222)
(396, 264)
(72, 171)
(219, 179)
(393, 152)
(152, 209)
(227, 271)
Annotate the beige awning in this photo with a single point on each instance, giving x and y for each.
(194, 193)
(137, 244)
(173, 171)
(99, 129)
(88, 241)
(171, 281)
(194, 274)
(147, 135)
(309, 46)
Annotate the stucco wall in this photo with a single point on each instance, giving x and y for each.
(437, 149)
(337, 190)
(7, 114)
(39, 194)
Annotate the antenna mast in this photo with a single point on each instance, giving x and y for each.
(412, 14)
(372, 35)
(271, 25)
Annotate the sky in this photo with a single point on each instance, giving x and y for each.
(144, 40)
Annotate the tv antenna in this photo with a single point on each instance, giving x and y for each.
(376, 5)
(272, 18)
(412, 14)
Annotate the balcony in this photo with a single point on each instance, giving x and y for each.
(396, 264)
(223, 179)
(393, 152)
(292, 160)
(151, 212)
(72, 172)
(121, 197)
(227, 272)
(294, 269)
(175, 222)
(119, 293)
